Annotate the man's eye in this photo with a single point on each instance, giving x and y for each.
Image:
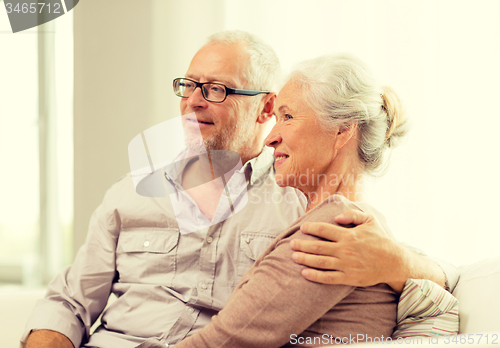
(216, 89)
(287, 117)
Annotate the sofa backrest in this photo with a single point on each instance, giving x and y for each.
(478, 291)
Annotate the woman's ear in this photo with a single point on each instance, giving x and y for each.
(345, 133)
(267, 107)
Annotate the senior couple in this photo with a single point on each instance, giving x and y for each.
(271, 271)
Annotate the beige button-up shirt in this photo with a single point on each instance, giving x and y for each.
(168, 284)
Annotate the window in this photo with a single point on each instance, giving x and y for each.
(36, 122)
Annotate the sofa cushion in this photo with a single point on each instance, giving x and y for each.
(477, 291)
(16, 304)
(426, 309)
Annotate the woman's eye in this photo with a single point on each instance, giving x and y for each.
(287, 117)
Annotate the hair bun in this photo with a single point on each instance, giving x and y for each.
(397, 122)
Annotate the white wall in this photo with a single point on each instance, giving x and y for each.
(440, 193)
(441, 56)
(126, 55)
(113, 88)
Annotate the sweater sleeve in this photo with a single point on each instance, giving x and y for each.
(270, 305)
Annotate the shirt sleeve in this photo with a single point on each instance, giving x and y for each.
(451, 273)
(77, 296)
(270, 306)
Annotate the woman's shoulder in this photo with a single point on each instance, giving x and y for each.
(326, 212)
(336, 204)
(328, 209)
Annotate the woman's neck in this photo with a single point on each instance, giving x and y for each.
(349, 184)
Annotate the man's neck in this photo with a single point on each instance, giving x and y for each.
(200, 182)
(245, 157)
(202, 177)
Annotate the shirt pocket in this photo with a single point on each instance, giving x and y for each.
(147, 255)
(252, 245)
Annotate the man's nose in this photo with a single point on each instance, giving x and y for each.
(274, 137)
(196, 100)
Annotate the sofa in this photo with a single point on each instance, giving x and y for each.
(477, 291)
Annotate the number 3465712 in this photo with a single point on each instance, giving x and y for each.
(33, 7)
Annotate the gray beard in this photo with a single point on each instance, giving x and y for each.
(218, 141)
(236, 137)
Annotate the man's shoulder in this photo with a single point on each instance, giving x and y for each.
(124, 184)
(135, 209)
(122, 190)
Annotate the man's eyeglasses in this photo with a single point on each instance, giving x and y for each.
(213, 92)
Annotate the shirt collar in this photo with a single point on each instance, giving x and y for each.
(259, 166)
(256, 167)
(174, 171)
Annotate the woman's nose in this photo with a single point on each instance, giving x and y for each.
(274, 137)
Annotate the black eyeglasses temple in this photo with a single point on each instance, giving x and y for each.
(244, 91)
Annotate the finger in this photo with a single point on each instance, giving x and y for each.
(323, 230)
(331, 277)
(352, 217)
(316, 247)
(317, 261)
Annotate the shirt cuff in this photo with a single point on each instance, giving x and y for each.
(451, 274)
(61, 320)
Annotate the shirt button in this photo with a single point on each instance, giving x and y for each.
(190, 310)
(146, 243)
(167, 345)
(204, 286)
(210, 240)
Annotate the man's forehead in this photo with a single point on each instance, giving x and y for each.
(219, 62)
(210, 77)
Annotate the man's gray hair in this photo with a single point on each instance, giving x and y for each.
(342, 91)
(264, 72)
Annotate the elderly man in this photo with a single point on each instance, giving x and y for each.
(169, 284)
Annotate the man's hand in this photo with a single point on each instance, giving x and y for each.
(363, 255)
(48, 339)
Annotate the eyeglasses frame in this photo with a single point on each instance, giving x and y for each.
(229, 90)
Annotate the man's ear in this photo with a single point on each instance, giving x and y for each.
(345, 133)
(267, 107)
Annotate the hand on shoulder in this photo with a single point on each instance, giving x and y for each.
(363, 255)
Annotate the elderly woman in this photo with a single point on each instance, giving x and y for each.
(333, 125)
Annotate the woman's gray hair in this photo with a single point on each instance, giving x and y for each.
(264, 71)
(342, 91)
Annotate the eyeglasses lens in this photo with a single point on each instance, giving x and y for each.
(183, 88)
(214, 92)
